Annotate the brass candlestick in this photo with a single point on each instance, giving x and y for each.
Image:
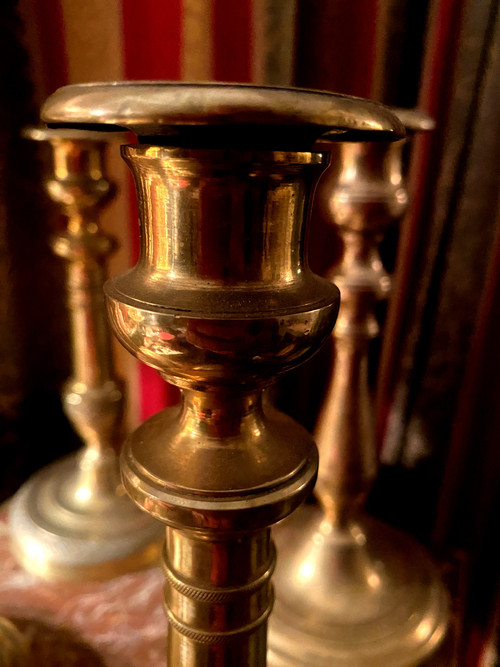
(220, 302)
(73, 520)
(350, 590)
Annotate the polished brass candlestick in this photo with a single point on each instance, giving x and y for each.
(73, 519)
(221, 301)
(351, 591)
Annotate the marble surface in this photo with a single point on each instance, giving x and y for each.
(117, 623)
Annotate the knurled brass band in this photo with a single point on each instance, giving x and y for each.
(197, 602)
(217, 595)
(213, 636)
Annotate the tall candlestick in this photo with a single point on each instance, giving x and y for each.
(73, 520)
(221, 302)
(350, 590)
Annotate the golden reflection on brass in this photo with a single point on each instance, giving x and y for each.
(13, 646)
(351, 591)
(220, 302)
(73, 520)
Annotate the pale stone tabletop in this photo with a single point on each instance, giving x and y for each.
(120, 622)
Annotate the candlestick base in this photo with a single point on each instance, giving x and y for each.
(60, 530)
(364, 595)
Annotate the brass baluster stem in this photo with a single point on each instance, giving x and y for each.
(367, 199)
(93, 397)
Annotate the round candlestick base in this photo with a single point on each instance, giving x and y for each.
(364, 595)
(60, 532)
